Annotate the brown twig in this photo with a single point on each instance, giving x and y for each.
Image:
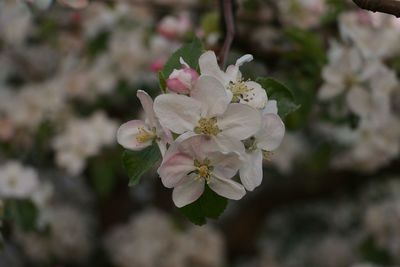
(385, 6)
(228, 16)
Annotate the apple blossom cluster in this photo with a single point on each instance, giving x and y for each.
(208, 126)
(81, 139)
(358, 84)
(350, 229)
(151, 234)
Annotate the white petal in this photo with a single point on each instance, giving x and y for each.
(175, 168)
(212, 95)
(257, 97)
(227, 144)
(225, 165)
(188, 191)
(227, 187)
(126, 135)
(178, 113)
(239, 121)
(209, 66)
(244, 59)
(251, 172)
(333, 75)
(147, 104)
(232, 74)
(271, 134)
(328, 91)
(270, 107)
(359, 101)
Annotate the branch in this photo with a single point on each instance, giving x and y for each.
(385, 6)
(227, 6)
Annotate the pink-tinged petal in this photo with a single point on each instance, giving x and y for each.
(359, 101)
(226, 187)
(178, 113)
(239, 121)
(251, 172)
(225, 165)
(188, 191)
(198, 146)
(147, 104)
(270, 136)
(127, 133)
(177, 86)
(175, 168)
(209, 66)
(212, 95)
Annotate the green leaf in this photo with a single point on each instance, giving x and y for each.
(209, 205)
(103, 178)
(309, 54)
(210, 22)
(371, 252)
(162, 82)
(137, 163)
(190, 52)
(279, 92)
(23, 213)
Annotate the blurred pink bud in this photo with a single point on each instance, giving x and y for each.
(6, 129)
(181, 81)
(78, 4)
(172, 27)
(157, 65)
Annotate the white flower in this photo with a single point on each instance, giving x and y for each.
(15, 21)
(366, 84)
(301, 13)
(194, 162)
(267, 139)
(81, 139)
(17, 181)
(240, 91)
(370, 147)
(137, 134)
(377, 35)
(208, 111)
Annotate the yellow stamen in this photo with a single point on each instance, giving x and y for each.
(207, 126)
(267, 155)
(144, 136)
(203, 170)
(240, 91)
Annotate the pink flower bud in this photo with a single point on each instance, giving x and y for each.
(181, 81)
(157, 65)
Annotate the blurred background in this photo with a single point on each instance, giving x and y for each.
(69, 71)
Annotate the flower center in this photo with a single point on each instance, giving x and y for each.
(240, 91)
(350, 80)
(203, 170)
(207, 126)
(144, 135)
(267, 155)
(12, 182)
